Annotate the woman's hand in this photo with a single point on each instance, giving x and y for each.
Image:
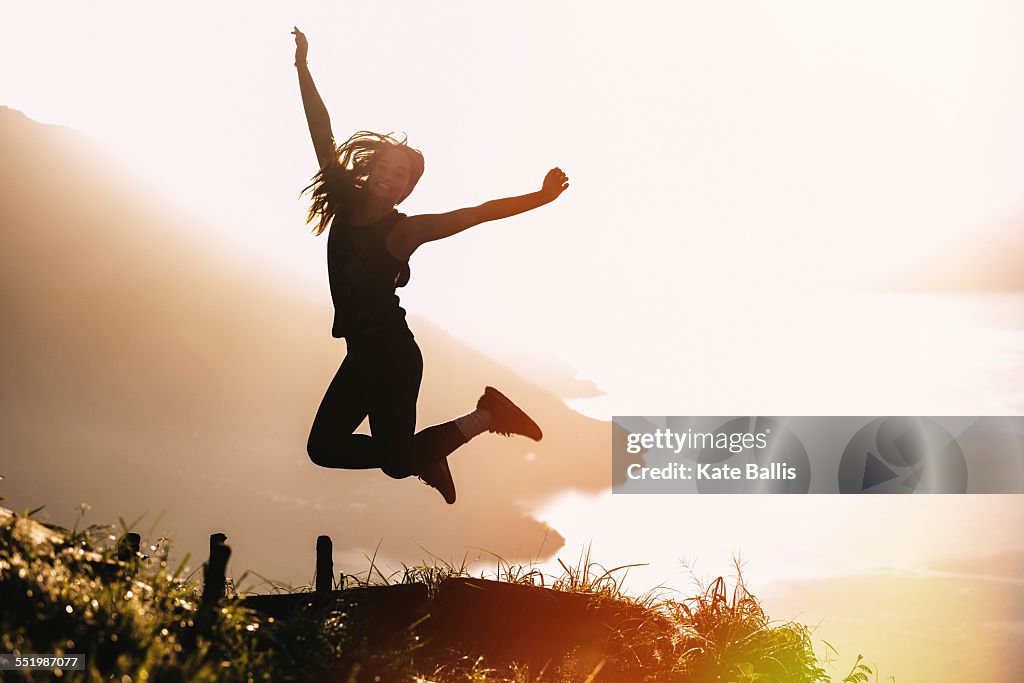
(555, 183)
(301, 46)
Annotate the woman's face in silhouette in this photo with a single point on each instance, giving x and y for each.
(390, 176)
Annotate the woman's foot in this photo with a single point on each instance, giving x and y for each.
(437, 475)
(506, 417)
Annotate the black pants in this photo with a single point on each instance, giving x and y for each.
(379, 377)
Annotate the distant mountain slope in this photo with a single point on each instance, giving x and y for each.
(142, 374)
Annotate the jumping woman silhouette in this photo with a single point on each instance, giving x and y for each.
(354, 194)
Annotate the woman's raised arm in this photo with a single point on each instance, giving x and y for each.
(416, 230)
(317, 118)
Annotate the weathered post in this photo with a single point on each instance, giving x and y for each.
(213, 575)
(324, 564)
(213, 589)
(128, 548)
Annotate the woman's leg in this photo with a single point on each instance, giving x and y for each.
(393, 394)
(381, 380)
(345, 404)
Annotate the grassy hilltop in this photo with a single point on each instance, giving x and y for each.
(64, 591)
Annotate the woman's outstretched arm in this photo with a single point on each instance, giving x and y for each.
(316, 113)
(416, 230)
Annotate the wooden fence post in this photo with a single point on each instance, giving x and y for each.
(324, 564)
(213, 575)
(128, 548)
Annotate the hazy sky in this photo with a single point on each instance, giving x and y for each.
(719, 148)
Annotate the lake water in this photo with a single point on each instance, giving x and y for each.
(853, 354)
(814, 354)
(863, 566)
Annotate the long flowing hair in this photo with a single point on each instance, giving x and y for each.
(338, 188)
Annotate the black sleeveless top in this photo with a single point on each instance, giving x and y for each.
(363, 276)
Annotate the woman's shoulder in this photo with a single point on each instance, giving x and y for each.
(393, 239)
(392, 221)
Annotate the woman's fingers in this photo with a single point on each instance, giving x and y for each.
(301, 45)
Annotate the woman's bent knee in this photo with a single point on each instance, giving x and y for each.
(317, 451)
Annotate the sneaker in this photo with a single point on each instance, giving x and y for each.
(437, 475)
(506, 417)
